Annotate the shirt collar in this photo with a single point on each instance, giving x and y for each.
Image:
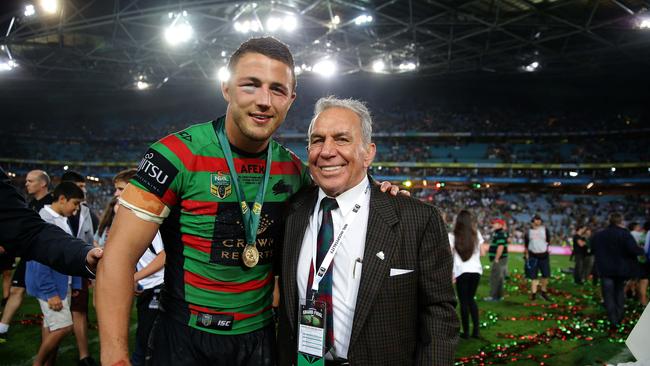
(347, 199)
(51, 211)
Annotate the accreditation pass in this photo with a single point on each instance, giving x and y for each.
(311, 331)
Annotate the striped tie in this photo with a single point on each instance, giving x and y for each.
(325, 239)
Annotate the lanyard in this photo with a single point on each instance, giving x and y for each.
(251, 217)
(322, 269)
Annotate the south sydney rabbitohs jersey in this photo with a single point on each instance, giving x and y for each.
(206, 285)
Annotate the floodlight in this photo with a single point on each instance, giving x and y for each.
(290, 23)
(29, 10)
(273, 24)
(407, 66)
(180, 31)
(533, 66)
(363, 19)
(407, 183)
(591, 184)
(223, 74)
(50, 6)
(613, 169)
(573, 174)
(325, 67)
(644, 23)
(65, 167)
(297, 70)
(8, 65)
(378, 65)
(142, 85)
(336, 20)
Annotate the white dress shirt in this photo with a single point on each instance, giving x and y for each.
(345, 278)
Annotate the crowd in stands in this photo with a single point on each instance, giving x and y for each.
(562, 213)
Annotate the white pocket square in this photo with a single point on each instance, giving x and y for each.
(397, 271)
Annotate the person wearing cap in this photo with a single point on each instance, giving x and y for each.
(498, 254)
(537, 257)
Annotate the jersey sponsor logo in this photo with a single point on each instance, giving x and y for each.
(220, 185)
(281, 187)
(215, 321)
(155, 172)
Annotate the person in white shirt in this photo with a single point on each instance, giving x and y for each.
(465, 242)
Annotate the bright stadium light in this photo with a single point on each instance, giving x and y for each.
(297, 70)
(407, 66)
(273, 24)
(591, 184)
(378, 65)
(532, 67)
(573, 174)
(8, 65)
(290, 23)
(363, 19)
(142, 85)
(613, 169)
(644, 23)
(325, 68)
(65, 167)
(223, 74)
(29, 10)
(50, 6)
(407, 183)
(180, 31)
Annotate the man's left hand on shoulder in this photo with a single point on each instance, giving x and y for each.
(389, 187)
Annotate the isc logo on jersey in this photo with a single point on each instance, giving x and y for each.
(220, 185)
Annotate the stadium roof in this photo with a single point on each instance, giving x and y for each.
(115, 44)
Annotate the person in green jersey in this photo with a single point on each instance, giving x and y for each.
(217, 192)
(498, 255)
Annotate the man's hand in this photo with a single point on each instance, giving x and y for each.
(137, 290)
(55, 303)
(394, 190)
(93, 257)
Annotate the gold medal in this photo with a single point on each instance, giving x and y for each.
(250, 255)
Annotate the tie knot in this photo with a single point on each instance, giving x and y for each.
(328, 204)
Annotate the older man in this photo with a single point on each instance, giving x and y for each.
(370, 274)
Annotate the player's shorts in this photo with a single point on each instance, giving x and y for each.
(7, 262)
(18, 280)
(79, 303)
(54, 320)
(538, 263)
(172, 343)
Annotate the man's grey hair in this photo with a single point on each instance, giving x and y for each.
(354, 105)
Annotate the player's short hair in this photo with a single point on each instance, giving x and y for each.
(267, 46)
(69, 190)
(125, 175)
(71, 176)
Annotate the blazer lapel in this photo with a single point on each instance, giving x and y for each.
(297, 221)
(381, 237)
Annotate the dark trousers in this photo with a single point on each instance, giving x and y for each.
(146, 319)
(582, 268)
(614, 298)
(466, 285)
(176, 344)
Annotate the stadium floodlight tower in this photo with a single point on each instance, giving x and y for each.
(223, 74)
(29, 10)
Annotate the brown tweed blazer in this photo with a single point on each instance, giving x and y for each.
(407, 319)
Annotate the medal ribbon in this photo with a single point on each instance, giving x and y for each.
(251, 217)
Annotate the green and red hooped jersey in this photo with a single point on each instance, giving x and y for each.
(206, 285)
